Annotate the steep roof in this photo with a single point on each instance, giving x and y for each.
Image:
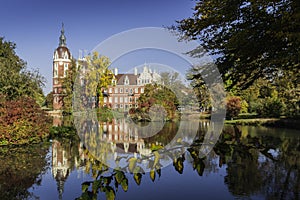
(131, 77)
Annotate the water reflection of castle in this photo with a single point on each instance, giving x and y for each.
(65, 156)
(123, 137)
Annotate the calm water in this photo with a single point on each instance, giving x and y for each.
(246, 163)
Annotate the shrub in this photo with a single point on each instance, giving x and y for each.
(233, 107)
(271, 107)
(244, 106)
(22, 121)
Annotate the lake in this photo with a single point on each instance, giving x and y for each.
(245, 163)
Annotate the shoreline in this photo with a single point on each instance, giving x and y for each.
(268, 122)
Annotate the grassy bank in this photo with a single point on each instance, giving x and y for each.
(272, 122)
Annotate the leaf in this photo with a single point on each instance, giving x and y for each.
(124, 184)
(152, 175)
(95, 186)
(156, 158)
(85, 186)
(137, 177)
(178, 164)
(132, 164)
(120, 176)
(109, 193)
(107, 180)
(158, 171)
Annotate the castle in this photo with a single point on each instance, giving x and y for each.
(123, 92)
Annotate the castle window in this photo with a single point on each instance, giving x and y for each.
(110, 90)
(136, 90)
(56, 55)
(66, 55)
(116, 99)
(116, 90)
(65, 69)
(55, 69)
(121, 90)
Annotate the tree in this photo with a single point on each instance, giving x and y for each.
(233, 107)
(68, 86)
(159, 101)
(250, 39)
(98, 76)
(15, 79)
(21, 118)
(49, 101)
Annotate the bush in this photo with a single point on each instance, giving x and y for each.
(22, 121)
(271, 107)
(244, 106)
(233, 107)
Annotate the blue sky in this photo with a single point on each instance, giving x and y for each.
(34, 25)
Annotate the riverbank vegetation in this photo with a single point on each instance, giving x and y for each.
(22, 120)
(256, 54)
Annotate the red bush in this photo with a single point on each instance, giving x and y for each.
(233, 107)
(22, 121)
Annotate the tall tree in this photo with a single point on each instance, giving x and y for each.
(250, 39)
(98, 76)
(68, 86)
(15, 80)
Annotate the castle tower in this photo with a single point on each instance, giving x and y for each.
(61, 63)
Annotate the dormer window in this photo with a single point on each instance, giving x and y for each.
(126, 81)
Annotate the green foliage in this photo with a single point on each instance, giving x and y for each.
(163, 98)
(49, 101)
(22, 121)
(233, 107)
(15, 79)
(63, 132)
(244, 106)
(68, 87)
(252, 39)
(105, 114)
(200, 88)
(271, 107)
(98, 76)
(20, 168)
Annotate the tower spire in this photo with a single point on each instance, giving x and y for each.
(62, 38)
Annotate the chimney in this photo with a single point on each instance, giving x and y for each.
(116, 71)
(135, 71)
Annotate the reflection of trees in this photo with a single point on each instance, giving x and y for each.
(20, 168)
(262, 164)
(253, 168)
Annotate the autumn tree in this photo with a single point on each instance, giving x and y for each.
(97, 77)
(21, 118)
